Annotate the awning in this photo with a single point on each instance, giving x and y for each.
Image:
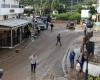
(12, 23)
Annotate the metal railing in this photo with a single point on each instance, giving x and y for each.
(11, 6)
(5, 5)
(14, 6)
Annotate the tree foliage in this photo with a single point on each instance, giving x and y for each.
(92, 10)
(46, 7)
(60, 5)
(54, 4)
(68, 16)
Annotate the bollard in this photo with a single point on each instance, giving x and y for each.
(1, 73)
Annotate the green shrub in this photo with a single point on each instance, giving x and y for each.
(62, 16)
(98, 78)
(68, 16)
(91, 78)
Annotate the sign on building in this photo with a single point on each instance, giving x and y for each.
(85, 14)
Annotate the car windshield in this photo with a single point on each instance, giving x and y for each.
(40, 23)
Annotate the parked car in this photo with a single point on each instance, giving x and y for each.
(70, 25)
(37, 18)
(41, 25)
(44, 19)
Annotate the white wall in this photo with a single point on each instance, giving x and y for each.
(1, 2)
(12, 16)
(11, 12)
(98, 8)
(7, 11)
(99, 1)
(1, 17)
(93, 69)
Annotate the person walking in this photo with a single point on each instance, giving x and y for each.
(38, 31)
(84, 28)
(71, 57)
(51, 26)
(33, 61)
(58, 40)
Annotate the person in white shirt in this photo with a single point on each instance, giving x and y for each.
(84, 27)
(33, 61)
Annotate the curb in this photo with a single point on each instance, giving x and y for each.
(64, 65)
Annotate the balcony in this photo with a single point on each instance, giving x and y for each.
(14, 6)
(11, 6)
(6, 9)
(5, 5)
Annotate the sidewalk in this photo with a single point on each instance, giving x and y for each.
(71, 73)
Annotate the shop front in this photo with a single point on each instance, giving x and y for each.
(13, 32)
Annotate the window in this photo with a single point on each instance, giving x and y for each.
(5, 17)
(3, 1)
(12, 10)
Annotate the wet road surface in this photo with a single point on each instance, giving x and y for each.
(17, 65)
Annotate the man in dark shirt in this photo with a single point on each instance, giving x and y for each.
(58, 40)
(51, 26)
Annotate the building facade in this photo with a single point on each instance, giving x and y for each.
(10, 9)
(13, 29)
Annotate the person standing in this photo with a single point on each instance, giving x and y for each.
(51, 26)
(71, 57)
(84, 28)
(33, 61)
(46, 24)
(58, 40)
